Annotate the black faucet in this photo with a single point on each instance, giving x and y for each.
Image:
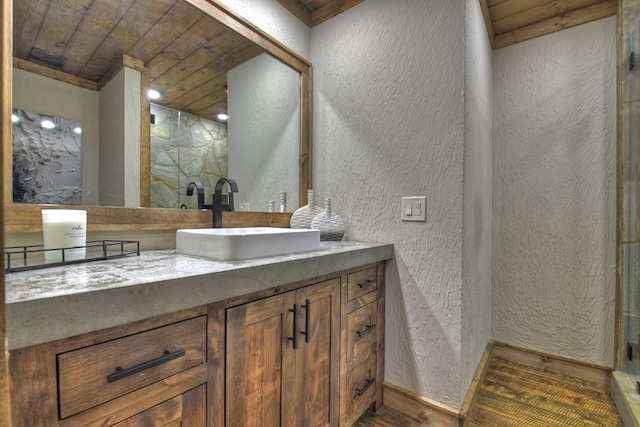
(200, 189)
(218, 206)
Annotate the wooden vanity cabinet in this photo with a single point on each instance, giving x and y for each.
(309, 353)
(283, 359)
(331, 380)
(123, 376)
(363, 358)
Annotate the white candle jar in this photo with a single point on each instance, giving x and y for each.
(64, 228)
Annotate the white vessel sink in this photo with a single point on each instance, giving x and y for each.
(231, 244)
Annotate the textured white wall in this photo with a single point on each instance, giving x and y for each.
(478, 183)
(275, 20)
(554, 193)
(401, 108)
(389, 122)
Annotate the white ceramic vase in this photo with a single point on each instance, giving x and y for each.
(303, 216)
(330, 225)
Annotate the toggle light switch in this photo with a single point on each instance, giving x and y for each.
(414, 208)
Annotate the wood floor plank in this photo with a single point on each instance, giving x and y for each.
(387, 417)
(517, 395)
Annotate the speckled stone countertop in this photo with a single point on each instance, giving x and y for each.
(59, 302)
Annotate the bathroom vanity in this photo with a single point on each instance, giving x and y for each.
(287, 340)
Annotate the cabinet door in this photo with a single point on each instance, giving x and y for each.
(315, 398)
(256, 338)
(273, 379)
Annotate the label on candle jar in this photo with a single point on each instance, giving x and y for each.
(64, 231)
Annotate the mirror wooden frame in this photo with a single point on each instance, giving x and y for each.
(5, 120)
(27, 218)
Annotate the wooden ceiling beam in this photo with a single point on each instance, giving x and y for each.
(298, 10)
(331, 9)
(542, 11)
(557, 23)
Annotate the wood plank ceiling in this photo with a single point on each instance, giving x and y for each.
(508, 21)
(187, 54)
(314, 12)
(513, 21)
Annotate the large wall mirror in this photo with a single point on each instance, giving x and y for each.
(93, 61)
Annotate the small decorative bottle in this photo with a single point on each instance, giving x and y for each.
(303, 216)
(270, 204)
(330, 225)
(283, 201)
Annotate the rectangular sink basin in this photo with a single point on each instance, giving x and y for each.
(232, 244)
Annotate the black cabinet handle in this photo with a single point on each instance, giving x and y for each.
(366, 331)
(368, 384)
(294, 338)
(121, 373)
(366, 284)
(307, 321)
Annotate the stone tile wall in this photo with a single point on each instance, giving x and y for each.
(185, 148)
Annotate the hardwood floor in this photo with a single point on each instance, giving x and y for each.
(515, 395)
(386, 417)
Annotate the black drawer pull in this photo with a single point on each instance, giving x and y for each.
(121, 373)
(366, 331)
(366, 284)
(294, 337)
(368, 384)
(307, 320)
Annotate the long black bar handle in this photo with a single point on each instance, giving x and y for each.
(122, 373)
(307, 321)
(366, 284)
(294, 338)
(366, 331)
(366, 386)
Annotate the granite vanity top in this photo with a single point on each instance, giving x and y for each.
(59, 302)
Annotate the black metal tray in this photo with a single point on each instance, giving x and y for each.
(23, 258)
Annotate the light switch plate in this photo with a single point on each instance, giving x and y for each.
(414, 209)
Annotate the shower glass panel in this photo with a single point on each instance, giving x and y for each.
(629, 356)
(184, 148)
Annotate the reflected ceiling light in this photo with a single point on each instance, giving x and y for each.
(14, 118)
(47, 124)
(153, 94)
(223, 116)
(78, 130)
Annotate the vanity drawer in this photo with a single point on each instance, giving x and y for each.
(361, 330)
(93, 375)
(362, 282)
(361, 385)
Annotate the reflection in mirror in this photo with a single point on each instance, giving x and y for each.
(47, 159)
(185, 148)
(264, 130)
(92, 61)
(257, 148)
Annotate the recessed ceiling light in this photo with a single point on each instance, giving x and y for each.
(47, 124)
(153, 94)
(223, 116)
